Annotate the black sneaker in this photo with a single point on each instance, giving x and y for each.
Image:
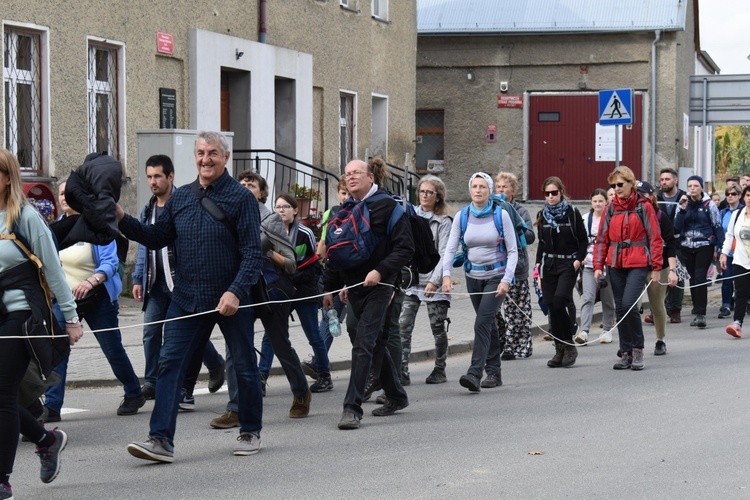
(148, 391)
(405, 379)
(373, 386)
(130, 406)
(216, 378)
(50, 457)
(187, 401)
(323, 384)
(660, 349)
(309, 368)
(492, 380)
(389, 408)
(724, 313)
(437, 377)
(700, 321)
(470, 382)
(52, 416)
(508, 356)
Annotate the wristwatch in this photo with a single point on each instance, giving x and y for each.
(72, 320)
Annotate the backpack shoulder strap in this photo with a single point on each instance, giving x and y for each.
(22, 244)
(589, 223)
(497, 215)
(213, 209)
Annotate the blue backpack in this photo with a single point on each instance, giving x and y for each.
(350, 240)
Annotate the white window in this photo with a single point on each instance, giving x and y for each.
(103, 98)
(22, 79)
(347, 127)
(380, 125)
(345, 3)
(380, 9)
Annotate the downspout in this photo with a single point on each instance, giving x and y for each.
(653, 107)
(262, 25)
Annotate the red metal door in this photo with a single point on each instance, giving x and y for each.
(562, 142)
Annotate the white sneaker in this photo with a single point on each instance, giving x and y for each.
(606, 337)
(581, 337)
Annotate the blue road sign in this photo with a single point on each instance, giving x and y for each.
(616, 107)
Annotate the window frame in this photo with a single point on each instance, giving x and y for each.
(118, 50)
(353, 126)
(386, 100)
(380, 6)
(42, 138)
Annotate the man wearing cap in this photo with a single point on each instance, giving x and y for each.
(701, 236)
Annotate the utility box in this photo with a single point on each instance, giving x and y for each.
(179, 145)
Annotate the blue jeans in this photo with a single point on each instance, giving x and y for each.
(103, 316)
(340, 309)
(157, 303)
(181, 339)
(627, 286)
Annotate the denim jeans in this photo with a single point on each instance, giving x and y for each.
(487, 345)
(157, 302)
(370, 305)
(103, 316)
(207, 355)
(627, 286)
(181, 340)
(277, 336)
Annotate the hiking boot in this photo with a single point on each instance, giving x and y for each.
(492, 380)
(405, 379)
(649, 319)
(309, 368)
(637, 363)
(301, 406)
(323, 384)
(229, 419)
(436, 377)
(130, 406)
(556, 361)
(695, 321)
(155, 449)
(6, 492)
(247, 444)
(53, 416)
(661, 348)
(50, 457)
(700, 321)
(349, 421)
(626, 361)
(373, 386)
(216, 378)
(570, 353)
(148, 391)
(470, 382)
(735, 329)
(581, 337)
(508, 356)
(187, 401)
(606, 337)
(389, 408)
(380, 399)
(724, 313)
(674, 317)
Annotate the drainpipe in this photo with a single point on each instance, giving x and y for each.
(262, 25)
(653, 107)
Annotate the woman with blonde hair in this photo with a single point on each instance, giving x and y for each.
(26, 312)
(432, 206)
(630, 245)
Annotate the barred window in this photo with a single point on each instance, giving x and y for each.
(23, 95)
(102, 99)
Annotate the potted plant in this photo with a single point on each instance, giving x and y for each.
(307, 199)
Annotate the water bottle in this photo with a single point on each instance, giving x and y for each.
(334, 327)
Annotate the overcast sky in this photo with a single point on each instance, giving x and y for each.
(725, 33)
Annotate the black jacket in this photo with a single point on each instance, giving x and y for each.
(568, 239)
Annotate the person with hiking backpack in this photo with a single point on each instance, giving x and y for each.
(559, 256)
(517, 321)
(733, 202)
(489, 255)
(701, 236)
(737, 240)
(432, 206)
(630, 245)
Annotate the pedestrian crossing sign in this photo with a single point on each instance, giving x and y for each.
(616, 107)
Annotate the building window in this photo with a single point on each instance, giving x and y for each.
(430, 139)
(103, 99)
(380, 126)
(380, 9)
(347, 125)
(23, 97)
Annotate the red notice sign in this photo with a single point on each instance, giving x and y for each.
(510, 101)
(165, 43)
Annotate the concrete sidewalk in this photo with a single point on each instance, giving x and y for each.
(89, 368)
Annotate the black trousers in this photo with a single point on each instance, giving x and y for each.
(697, 262)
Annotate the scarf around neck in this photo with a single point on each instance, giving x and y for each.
(555, 213)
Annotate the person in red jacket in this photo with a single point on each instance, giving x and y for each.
(630, 245)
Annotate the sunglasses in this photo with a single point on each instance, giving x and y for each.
(554, 192)
(618, 184)
(732, 194)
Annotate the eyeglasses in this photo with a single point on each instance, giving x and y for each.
(283, 207)
(617, 184)
(733, 194)
(554, 192)
(356, 173)
(426, 192)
